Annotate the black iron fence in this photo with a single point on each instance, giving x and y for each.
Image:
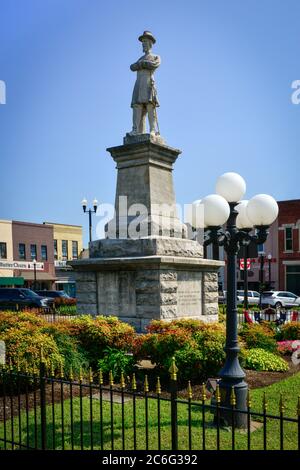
(50, 314)
(44, 411)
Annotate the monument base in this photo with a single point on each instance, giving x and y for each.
(143, 288)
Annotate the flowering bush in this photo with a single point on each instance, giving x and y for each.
(290, 331)
(24, 345)
(64, 301)
(197, 346)
(96, 334)
(260, 359)
(258, 336)
(287, 347)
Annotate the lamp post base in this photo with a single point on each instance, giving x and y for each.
(235, 415)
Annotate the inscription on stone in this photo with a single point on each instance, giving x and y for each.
(189, 293)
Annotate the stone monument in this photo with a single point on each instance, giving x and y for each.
(146, 268)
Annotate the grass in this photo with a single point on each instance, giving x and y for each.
(85, 435)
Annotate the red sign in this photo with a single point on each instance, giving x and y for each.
(242, 264)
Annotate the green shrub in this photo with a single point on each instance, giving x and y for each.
(15, 319)
(290, 331)
(75, 358)
(161, 347)
(260, 359)
(96, 334)
(117, 361)
(197, 347)
(258, 336)
(24, 345)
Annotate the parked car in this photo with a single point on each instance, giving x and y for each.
(21, 297)
(253, 297)
(280, 299)
(54, 294)
(222, 296)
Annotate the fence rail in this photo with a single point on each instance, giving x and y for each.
(43, 411)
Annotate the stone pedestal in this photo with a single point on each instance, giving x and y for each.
(158, 273)
(139, 289)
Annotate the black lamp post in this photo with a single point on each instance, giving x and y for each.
(239, 217)
(261, 277)
(270, 273)
(34, 274)
(89, 212)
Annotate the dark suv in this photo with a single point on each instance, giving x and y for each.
(55, 294)
(20, 298)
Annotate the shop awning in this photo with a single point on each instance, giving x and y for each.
(29, 276)
(11, 281)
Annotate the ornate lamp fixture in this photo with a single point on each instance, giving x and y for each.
(240, 217)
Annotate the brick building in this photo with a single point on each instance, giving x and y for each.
(289, 245)
(34, 241)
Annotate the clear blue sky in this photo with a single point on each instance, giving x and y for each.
(224, 87)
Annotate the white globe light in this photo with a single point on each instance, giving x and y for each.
(231, 186)
(242, 220)
(216, 210)
(262, 209)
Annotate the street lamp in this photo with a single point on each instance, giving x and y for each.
(270, 261)
(258, 212)
(34, 274)
(89, 212)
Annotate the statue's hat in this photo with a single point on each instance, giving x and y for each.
(147, 35)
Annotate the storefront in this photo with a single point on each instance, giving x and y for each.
(11, 281)
(65, 279)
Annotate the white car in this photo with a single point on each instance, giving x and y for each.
(253, 297)
(280, 299)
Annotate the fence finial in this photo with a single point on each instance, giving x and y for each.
(90, 375)
(232, 397)
(80, 375)
(100, 377)
(111, 378)
(249, 399)
(122, 381)
(158, 387)
(146, 384)
(173, 369)
(71, 374)
(133, 382)
(190, 390)
(61, 373)
(218, 394)
(203, 392)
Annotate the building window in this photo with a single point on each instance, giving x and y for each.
(64, 249)
(74, 249)
(55, 249)
(3, 250)
(44, 254)
(22, 251)
(33, 252)
(288, 239)
(261, 248)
